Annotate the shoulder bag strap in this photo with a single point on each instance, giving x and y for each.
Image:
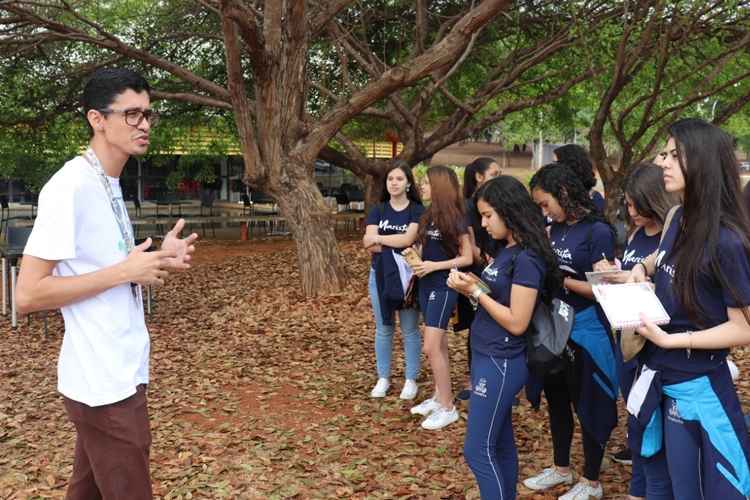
(667, 222)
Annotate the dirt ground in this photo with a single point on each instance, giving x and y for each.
(257, 392)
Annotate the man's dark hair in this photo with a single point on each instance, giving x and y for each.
(106, 84)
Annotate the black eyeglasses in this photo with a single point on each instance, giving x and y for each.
(134, 117)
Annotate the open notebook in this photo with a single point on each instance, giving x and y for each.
(624, 303)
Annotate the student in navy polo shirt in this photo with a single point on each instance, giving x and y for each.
(445, 245)
(522, 272)
(476, 174)
(580, 239)
(702, 276)
(575, 157)
(647, 204)
(392, 226)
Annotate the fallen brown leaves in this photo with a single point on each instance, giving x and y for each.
(258, 393)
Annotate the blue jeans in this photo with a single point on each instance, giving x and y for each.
(409, 320)
(489, 448)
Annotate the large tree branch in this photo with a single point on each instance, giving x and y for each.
(198, 99)
(320, 20)
(245, 21)
(272, 28)
(457, 127)
(438, 56)
(733, 107)
(420, 27)
(240, 102)
(110, 42)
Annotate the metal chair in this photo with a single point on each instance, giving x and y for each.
(5, 217)
(247, 204)
(15, 241)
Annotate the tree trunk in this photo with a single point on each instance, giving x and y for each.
(373, 188)
(312, 226)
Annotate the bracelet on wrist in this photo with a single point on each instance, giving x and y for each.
(474, 296)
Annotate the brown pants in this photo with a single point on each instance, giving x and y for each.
(112, 450)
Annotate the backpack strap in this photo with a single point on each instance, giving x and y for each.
(667, 222)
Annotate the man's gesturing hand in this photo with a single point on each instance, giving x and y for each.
(182, 247)
(147, 268)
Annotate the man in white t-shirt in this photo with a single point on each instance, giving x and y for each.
(81, 258)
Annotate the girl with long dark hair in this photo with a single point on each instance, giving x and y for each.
(476, 174)
(690, 423)
(581, 239)
(392, 225)
(576, 157)
(523, 272)
(445, 245)
(647, 203)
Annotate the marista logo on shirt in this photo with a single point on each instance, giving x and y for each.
(667, 268)
(386, 226)
(564, 255)
(629, 256)
(434, 234)
(490, 274)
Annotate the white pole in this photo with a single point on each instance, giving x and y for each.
(541, 149)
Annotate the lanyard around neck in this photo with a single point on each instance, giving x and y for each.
(125, 229)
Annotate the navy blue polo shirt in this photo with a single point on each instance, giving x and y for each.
(433, 251)
(713, 298)
(598, 200)
(391, 221)
(512, 266)
(639, 247)
(577, 247)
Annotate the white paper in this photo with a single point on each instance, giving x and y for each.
(639, 390)
(624, 303)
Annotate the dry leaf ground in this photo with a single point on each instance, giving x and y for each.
(258, 393)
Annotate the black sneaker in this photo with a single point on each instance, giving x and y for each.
(623, 456)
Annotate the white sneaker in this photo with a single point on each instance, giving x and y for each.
(439, 418)
(425, 407)
(583, 491)
(410, 389)
(547, 479)
(380, 388)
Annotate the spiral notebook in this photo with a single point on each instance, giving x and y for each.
(624, 303)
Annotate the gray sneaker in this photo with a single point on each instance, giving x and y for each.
(425, 407)
(547, 479)
(583, 491)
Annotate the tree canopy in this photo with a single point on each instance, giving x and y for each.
(300, 80)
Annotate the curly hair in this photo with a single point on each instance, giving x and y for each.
(562, 182)
(446, 210)
(577, 159)
(510, 199)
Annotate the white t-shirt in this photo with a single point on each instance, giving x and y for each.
(105, 350)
